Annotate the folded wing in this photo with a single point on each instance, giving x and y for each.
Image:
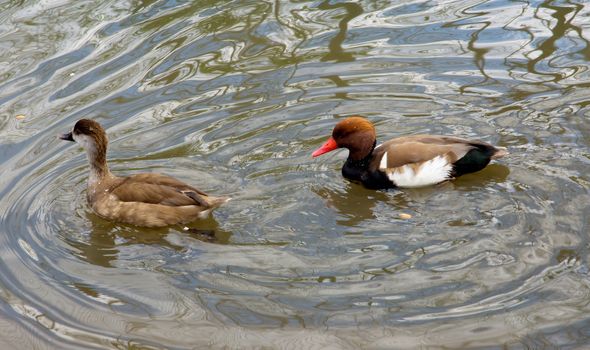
(159, 189)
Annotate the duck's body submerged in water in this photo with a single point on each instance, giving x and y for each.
(410, 161)
(149, 200)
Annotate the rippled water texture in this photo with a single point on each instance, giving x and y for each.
(233, 97)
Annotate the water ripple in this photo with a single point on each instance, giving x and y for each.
(233, 97)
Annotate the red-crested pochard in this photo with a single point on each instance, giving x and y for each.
(149, 200)
(410, 161)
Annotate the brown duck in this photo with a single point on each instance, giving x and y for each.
(149, 200)
(410, 161)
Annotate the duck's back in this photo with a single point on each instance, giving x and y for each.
(421, 160)
(153, 200)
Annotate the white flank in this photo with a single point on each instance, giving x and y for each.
(430, 172)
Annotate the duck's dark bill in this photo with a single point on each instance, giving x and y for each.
(67, 137)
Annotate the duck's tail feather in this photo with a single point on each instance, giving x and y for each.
(214, 202)
(206, 201)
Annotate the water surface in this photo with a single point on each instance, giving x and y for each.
(233, 96)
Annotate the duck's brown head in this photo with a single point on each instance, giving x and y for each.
(90, 135)
(355, 133)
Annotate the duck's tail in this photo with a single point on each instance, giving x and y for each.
(214, 202)
(204, 200)
(500, 152)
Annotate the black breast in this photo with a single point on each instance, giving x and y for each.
(370, 179)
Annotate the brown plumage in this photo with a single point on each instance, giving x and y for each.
(149, 200)
(409, 161)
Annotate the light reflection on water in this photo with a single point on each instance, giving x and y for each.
(233, 97)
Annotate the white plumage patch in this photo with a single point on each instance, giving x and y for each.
(383, 163)
(431, 172)
(85, 141)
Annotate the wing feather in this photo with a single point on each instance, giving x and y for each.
(158, 189)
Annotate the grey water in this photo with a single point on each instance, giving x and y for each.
(232, 97)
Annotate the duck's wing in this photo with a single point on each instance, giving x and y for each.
(418, 149)
(164, 180)
(159, 189)
(422, 160)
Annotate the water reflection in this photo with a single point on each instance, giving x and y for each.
(105, 239)
(354, 203)
(233, 96)
(352, 10)
(549, 47)
(493, 174)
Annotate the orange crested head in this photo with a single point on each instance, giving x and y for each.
(355, 133)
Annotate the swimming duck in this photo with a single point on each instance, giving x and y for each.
(149, 200)
(409, 161)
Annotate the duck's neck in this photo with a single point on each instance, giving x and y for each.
(99, 169)
(361, 160)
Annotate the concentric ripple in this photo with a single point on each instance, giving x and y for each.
(233, 97)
